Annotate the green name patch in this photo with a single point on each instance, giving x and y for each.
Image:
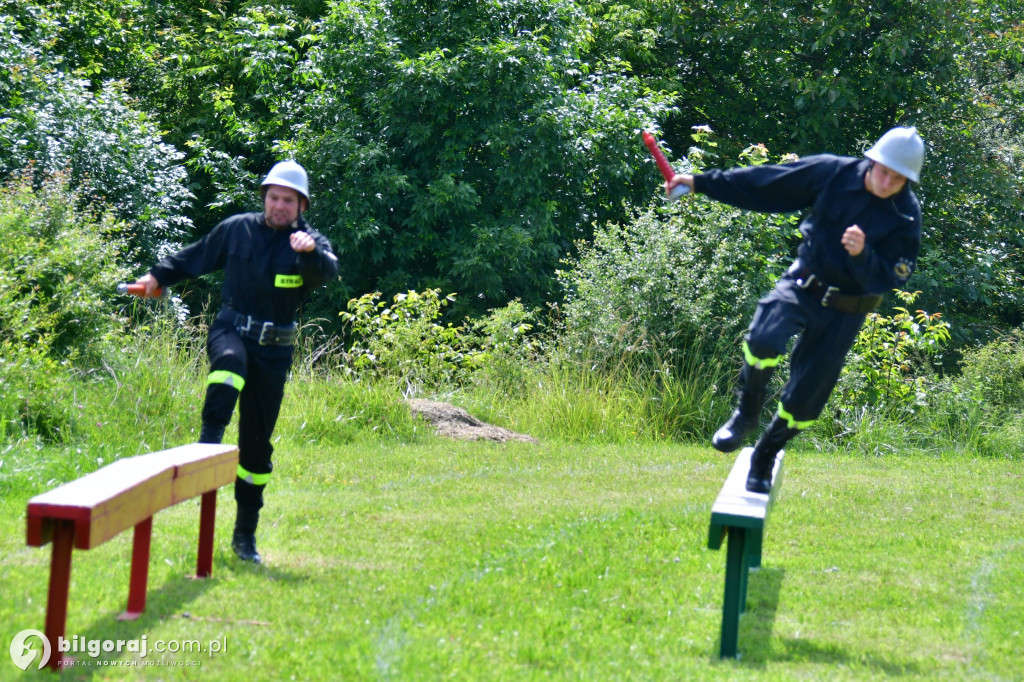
(288, 281)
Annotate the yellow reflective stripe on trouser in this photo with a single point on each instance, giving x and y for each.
(249, 477)
(288, 281)
(791, 421)
(222, 376)
(756, 362)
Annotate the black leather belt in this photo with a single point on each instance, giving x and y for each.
(831, 297)
(266, 333)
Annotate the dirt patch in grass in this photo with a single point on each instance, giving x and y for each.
(455, 422)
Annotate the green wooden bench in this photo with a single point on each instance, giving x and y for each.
(126, 494)
(741, 516)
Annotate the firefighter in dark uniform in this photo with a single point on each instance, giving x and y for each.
(271, 260)
(861, 237)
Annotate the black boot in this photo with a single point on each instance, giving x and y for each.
(762, 460)
(731, 434)
(244, 539)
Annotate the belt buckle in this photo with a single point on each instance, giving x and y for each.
(248, 325)
(828, 295)
(268, 327)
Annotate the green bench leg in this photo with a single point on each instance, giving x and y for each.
(754, 539)
(735, 590)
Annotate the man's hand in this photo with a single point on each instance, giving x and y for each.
(853, 240)
(301, 242)
(677, 180)
(149, 281)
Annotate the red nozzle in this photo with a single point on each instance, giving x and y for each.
(140, 291)
(659, 158)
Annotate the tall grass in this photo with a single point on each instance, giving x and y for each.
(625, 401)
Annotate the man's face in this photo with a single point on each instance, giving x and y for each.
(883, 181)
(281, 206)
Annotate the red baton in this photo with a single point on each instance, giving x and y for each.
(663, 165)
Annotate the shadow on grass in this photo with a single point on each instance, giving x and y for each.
(755, 635)
(830, 654)
(763, 588)
(161, 604)
(169, 601)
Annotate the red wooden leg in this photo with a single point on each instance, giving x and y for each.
(140, 570)
(60, 582)
(207, 518)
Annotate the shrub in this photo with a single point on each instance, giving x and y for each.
(994, 375)
(404, 340)
(113, 155)
(35, 399)
(511, 345)
(888, 366)
(673, 281)
(57, 269)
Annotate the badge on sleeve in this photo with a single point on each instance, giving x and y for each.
(903, 269)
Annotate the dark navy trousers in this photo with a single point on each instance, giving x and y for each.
(824, 337)
(253, 376)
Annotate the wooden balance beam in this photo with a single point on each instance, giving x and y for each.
(125, 494)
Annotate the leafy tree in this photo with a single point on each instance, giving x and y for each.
(466, 145)
(828, 75)
(113, 155)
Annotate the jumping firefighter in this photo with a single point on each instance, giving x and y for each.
(861, 238)
(271, 261)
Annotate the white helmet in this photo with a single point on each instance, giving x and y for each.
(902, 150)
(287, 174)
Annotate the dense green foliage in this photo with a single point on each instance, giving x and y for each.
(469, 146)
(112, 154)
(466, 145)
(56, 318)
(488, 154)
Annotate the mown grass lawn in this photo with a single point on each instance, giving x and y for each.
(447, 560)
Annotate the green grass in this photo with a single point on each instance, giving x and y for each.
(433, 559)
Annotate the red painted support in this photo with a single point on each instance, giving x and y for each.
(207, 516)
(60, 582)
(140, 570)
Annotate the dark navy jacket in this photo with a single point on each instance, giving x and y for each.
(832, 188)
(263, 276)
